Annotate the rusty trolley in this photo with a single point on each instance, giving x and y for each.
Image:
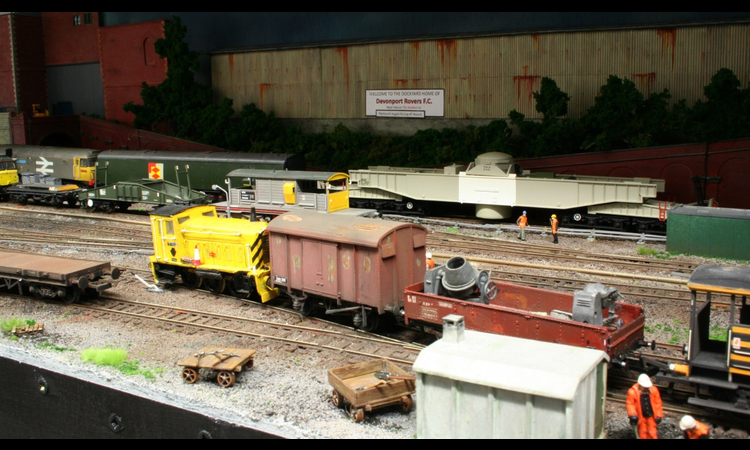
(53, 277)
(370, 385)
(225, 363)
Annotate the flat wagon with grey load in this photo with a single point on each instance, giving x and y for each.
(55, 278)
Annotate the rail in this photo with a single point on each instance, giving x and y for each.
(591, 234)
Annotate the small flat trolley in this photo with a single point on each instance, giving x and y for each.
(224, 362)
(370, 385)
(53, 277)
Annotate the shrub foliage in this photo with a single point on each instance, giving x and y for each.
(621, 117)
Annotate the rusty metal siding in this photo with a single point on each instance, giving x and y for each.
(483, 77)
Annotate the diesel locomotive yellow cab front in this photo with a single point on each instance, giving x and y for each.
(8, 173)
(201, 249)
(85, 170)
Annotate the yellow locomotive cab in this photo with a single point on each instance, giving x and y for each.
(202, 249)
(84, 169)
(8, 173)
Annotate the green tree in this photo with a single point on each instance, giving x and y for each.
(621, 117)
(551, 101)
(255, 128)
(724, 115)
(554, 134)
(180, 103)
(613, 119)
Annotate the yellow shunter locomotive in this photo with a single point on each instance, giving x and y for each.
(221, 255)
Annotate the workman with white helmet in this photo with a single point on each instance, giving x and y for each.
(554, 224)
(692, 429)
(429, 262)
(644, 407)
(522, 222)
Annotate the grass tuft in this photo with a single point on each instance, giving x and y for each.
(104, 356)
(116, 358)
(15, 322)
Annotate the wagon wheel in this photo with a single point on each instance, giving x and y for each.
(231, 289)
(21, 199)
(357, 414)
(72, 295)
(72, 202)
(107, 207)
(373, 321)
(308, 307)
(35, 291)
(215, 286)
(190, 280)
(190, 375)
(57, 202)
(337, 399)
(406, 403)
(225, 379)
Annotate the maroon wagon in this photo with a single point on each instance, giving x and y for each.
(349, 265)
(532, 313)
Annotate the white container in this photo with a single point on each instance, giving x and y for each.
(473, 385)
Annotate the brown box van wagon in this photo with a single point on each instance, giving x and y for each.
(349, 265)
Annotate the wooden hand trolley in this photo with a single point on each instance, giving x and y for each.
(371, 385)
(224, 362)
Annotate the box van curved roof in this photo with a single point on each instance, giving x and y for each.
(348, 230)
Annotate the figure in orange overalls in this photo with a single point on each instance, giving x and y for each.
(430, 261)
(554, 223)
(644, 407)
(693, 429)
(522, 222)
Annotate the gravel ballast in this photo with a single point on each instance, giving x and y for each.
(287, 390)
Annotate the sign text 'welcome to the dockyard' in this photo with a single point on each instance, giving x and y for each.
(406, 103)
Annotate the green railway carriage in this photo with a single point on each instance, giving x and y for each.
(206, 168)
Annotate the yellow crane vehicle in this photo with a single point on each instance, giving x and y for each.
(221, 255)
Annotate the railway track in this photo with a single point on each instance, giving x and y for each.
(477, 225)
(309, 333)
(444, 240)
(73, 229)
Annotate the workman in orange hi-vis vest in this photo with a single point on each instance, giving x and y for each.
(692, 429)
(522, 222)
(554, 224)
(430, 261)
(644, 407)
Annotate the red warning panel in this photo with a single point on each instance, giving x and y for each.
(155, 171)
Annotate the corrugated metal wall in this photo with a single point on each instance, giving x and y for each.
(484, 77)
